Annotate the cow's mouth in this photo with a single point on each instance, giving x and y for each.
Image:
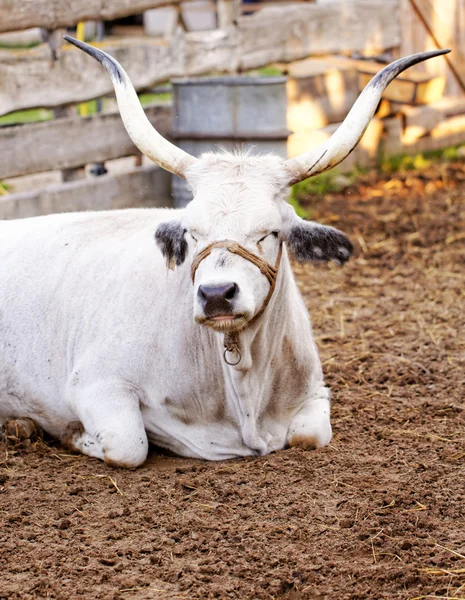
(224, 323)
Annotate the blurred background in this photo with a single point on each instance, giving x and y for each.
(298, 68)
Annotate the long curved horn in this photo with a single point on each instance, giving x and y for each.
(346, 137)
(139, 128)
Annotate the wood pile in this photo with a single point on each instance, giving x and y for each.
(412, 117)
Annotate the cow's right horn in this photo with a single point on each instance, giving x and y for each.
(347, 136)
(139, 128)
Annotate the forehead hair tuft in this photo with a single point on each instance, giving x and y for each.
(238, 167)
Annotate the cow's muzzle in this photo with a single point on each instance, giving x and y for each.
(218, 300)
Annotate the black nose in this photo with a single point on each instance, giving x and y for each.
(217, 300)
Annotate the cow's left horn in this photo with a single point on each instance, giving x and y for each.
(139, 128)
(347, 136)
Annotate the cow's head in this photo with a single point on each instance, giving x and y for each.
(242, 200)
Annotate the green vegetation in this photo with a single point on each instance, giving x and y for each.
(269, 71)
(7, 46)
(4, 189)
(412, 162)
(301, 211)
(330, 182)
(159, 97)
(404, 162)
(35, 115)
(333, 181)
(26, 116)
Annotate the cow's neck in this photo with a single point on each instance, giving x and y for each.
(249, 385)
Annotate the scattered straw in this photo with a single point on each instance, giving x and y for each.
(450, 550)
(419, 506)
(112, 480)
(433, 571)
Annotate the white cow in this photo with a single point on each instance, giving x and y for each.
(106, 348)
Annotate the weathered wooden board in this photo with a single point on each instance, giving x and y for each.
(415, 37)
(410, 90)
(419, 121)
(277, 33)
(449, 132)
(28, 79)
(440, 20)
(71, 142)
(286, 33)
(147, 186)
(363, 155)
(51, 14)
(319, 93)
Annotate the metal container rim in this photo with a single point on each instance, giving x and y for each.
(229, 80)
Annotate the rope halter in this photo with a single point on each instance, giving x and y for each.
(231, 339)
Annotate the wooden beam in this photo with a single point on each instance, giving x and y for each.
(51, 14)
(294, 31)
(420, 121)
(363, 155)
(71, 142)
(442, 34)
(319, 92)
(228, 12)
(147, 186)
(408, 90)
(276, 33)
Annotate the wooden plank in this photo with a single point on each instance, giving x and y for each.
(415, 38)
(319, 93)
(51, 14)
(368, 67)
(429, 143)
(228, 12)
(442, 33)
(409, 91)
(277, 33)
(449, 132)
(421, 120)
(363, 155)
(71, 142)
(147, 186)
(287, 33)
(391, 143)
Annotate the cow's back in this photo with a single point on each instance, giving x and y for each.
(61, 276)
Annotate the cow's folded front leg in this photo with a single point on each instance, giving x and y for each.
(76, 439)
(110, 425)
(20, 430)
(311, 427)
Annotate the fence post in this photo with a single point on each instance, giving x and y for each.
(228, 12)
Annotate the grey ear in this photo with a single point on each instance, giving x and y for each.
(311, 241)
(170, 237)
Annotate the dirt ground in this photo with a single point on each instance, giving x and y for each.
(379, 514)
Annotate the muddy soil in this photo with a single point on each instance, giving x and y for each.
(380, 513)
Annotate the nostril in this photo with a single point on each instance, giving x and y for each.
(201, 292)
(231, 292)
(218, 297)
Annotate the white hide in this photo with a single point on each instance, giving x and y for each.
(94, 328)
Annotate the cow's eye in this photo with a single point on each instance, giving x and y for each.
(192, 236)
(274, 233)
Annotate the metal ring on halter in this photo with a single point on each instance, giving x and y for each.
(231, 364)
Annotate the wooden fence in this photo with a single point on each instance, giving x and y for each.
(276, 33)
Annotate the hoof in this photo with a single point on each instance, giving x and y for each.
(307, 443)
(73, 431)
(21, 431)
